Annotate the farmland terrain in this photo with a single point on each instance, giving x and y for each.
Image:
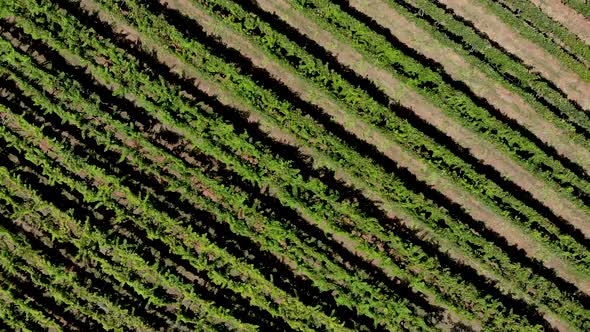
(294, 165)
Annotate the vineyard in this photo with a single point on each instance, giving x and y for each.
(294, 165)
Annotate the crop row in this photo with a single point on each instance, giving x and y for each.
(61, 284)
(579, 5)
(260, 161)
(139, 237)
(209, 257)
(123, 264)
(118, 216)
(498, 161)
(152, 90)
(94, 208)
(16, 313)
(230, 76)
(21, 216)
(531, 15)
(346, 120)
(215, 190)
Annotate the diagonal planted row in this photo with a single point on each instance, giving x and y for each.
(566, 73)
(250, 158)
(123, 264)
(258, 55)
(554, 21)
(142, 290)
(396, 27)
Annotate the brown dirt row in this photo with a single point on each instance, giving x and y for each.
(533, 55)
(568, 17)
(300, 87)
(508, 103)
(409, 98)
(178, 66)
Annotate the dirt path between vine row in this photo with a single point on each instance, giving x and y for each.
(531, 54)
(479, 148)
(568, 17)
(361, 130)
(503, 100)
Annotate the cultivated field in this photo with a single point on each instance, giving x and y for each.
(281, 165)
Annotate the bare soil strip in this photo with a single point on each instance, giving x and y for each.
(479, 148)
(531, 54)
(503, 100)
(568, 17)
(393, 151)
